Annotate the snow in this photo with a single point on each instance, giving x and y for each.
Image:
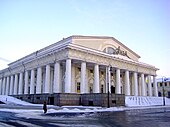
(12, 101)
(131, 101)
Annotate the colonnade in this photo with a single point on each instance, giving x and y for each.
(42, 80)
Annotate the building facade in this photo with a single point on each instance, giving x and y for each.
(163, 87)
(80, 65)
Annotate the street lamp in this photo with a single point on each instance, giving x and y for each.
(108, 93)
(163, 90)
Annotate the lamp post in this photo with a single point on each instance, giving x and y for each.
(163, 90)
(108, 103)
(108, 93)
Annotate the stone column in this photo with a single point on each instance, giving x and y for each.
(47, 79)
(127, 85)
(11, 85)
(32, 81)
(139, 86)
(7, 86)
(143, 91)
(16, 85)
(87, 86)
(26, 83)
(155, 86)
(73, 77)
(96, 79)
(68, 76)
(146, 89)
(118, 89)
(83, 78)
(3, 86)
(57, 83)
(20, 83)
(39, 81)
(149, 86)
(0, 86)
(135, 84)
(51, 80)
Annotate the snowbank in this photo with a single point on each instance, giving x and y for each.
(12, 101)
(131, 101)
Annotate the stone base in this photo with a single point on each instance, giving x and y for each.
(63, 99)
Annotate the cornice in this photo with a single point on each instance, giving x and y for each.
(104, 37)
(109, 60)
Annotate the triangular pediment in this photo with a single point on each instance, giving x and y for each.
(107, 45)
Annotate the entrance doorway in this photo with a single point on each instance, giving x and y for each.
(51, 100)
(112, 89)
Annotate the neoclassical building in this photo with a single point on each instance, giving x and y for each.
(80, 65)
(163, 86)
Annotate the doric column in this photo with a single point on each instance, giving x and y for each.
(73, 78)
(57, 85)
(139, 86)
(127, 86)
(20, 83)
(146, 88)
(135, 84)
(87, 87)
(118, 90)
(1, 86)
(7, 86)
(68, 76)
(51, 80)
(16, 85)
(26, 83)
(32, 81)
(155, 86)
(83, 78)
(149, 86)
(39, 81)
(47, 79)
(143, 91)
(96, 79)
(11, 85)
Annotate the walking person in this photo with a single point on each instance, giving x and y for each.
(45, 107)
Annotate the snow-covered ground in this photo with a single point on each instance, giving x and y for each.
(12, 101)
(38, 113)
(133, 101)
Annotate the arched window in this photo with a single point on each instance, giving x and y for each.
(109, 50)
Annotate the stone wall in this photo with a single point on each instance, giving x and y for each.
(100, 99)
(61, 99)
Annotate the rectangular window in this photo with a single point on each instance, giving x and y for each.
(160, 84)
(78, 87)
(38, 98)
(101, 88)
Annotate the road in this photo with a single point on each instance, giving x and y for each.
(129, 118)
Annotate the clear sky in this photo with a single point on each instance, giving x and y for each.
(142, 25)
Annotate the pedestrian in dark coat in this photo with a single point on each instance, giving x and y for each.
(45, 107)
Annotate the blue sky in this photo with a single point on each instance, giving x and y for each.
(142, 25)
